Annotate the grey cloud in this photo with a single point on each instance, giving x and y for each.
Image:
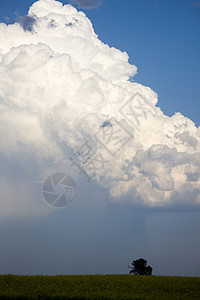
(106, 123)
(52, 23)
(70, 24)
(193, 176)
(87, 4)
(27, 22)
(158, 162)
(195, 3)
(192, 172)
(187, 139)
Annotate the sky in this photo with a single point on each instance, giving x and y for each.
(65, 86)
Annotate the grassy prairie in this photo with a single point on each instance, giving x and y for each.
(98, 287)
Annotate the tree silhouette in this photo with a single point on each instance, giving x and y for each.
(139, 267)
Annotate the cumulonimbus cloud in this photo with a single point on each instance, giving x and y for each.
(63, 90)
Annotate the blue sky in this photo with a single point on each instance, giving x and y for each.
(162, 39)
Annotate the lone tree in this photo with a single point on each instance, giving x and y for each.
(139, 267)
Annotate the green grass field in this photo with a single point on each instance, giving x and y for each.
(98, 287)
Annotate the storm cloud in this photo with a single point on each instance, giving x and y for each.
(66, 98)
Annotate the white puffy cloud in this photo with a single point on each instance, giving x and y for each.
(63, 90)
